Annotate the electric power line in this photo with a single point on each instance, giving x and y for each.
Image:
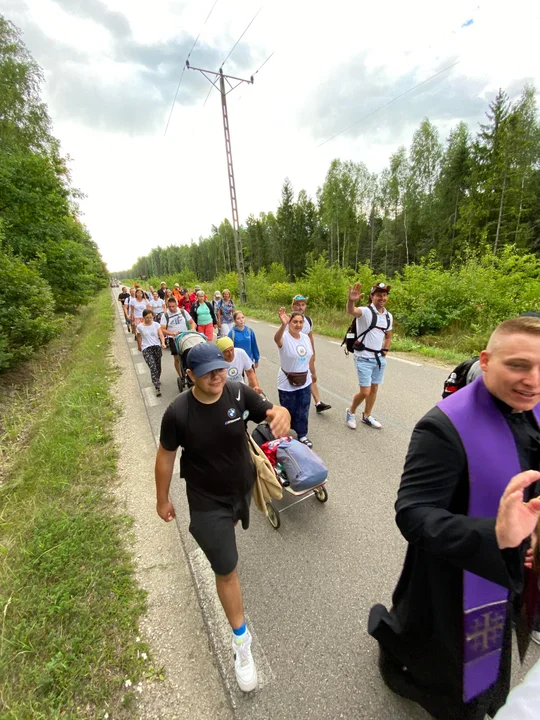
(184, 68)
(264, 63)
(388, 103)
(241, 36)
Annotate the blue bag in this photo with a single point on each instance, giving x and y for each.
(304, 468)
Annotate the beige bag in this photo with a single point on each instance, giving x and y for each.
(267, 486)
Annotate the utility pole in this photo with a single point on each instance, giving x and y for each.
(224, 91)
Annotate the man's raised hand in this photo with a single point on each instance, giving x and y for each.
(516, 520)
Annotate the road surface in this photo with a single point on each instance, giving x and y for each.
(308, 586)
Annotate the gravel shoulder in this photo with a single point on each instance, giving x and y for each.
(173, 625)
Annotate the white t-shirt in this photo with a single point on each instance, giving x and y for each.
(149, 335)
(138, 307)
(374, 338)
(239, 365)
(156, 305)
(177, 321)
(294, 356)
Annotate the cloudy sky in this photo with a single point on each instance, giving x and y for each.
(112, 68)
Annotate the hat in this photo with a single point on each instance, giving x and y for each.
(224, 343)
(300, 298)
(177, 285)
(380, 287)
(204, 358)
(217, 293)
(163, 282)
(197, 287)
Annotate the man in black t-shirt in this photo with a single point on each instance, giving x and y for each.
(208, 422)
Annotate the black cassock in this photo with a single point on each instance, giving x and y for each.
(423, 632)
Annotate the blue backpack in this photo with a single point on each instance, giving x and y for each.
(304, 468)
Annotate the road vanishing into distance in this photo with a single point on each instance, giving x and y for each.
(308, 587)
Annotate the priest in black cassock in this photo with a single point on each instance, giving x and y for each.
(468, 506)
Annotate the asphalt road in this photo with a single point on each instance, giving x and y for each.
(308, 586)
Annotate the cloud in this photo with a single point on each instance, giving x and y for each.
(131, 89)
(97, 11)
(353, 91)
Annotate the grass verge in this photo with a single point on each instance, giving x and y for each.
(69, 601)
(334, 323)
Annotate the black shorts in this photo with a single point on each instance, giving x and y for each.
(215, 534)
(172, 346)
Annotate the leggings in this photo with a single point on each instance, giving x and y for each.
(297, 403)
(152, 357)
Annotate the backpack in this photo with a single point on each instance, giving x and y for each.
(303, 467)
(458, 377)
(353, 341)
(310, 321)
(262, 434)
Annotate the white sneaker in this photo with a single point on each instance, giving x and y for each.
(370, 420)
(351, 419)
(535, 636)
(244, 665)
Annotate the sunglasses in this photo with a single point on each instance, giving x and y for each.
(299, 297)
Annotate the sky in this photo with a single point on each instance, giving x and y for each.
(112, 68)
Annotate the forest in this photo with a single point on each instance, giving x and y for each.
(476, 192)
(48, 262)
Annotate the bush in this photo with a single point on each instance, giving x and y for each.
(26, 310)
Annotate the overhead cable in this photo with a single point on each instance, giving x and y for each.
(242, 35)
(388, 103)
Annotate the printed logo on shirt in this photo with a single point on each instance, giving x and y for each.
(301, 350)
(245, 415)
(231, 412)
(232, 372)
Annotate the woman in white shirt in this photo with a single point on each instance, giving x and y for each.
(150, 341)
(157, 306)
(136, 307)
(294, 377)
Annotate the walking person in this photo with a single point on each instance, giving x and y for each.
(136, 307)
(299, 304)
(157, 305)
(207, 422)
(204, 317)
(294, 376)
(467, 505)
(150, 341)
(239, 365)
(127, 311)
(122, 297)
(162, 288)
(373, 330)
(243, 337)
(225, 310)
(173, 322)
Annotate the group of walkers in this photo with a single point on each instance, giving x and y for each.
(468, 504)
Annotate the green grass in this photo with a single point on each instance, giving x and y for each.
(69, 603)
(334, 323)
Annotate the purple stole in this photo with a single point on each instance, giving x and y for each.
(492, 460)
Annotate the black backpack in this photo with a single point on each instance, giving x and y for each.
(352, 341)
(458, 377)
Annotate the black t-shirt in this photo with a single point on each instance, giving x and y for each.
(161, 293)
(215, 462)
(122, 297)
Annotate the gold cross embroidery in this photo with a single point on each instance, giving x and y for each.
(487, 630)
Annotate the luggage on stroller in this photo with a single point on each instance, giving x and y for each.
(184, 342)
(299, 470)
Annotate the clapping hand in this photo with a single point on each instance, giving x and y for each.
(354, 292)
(283, 316)
(516, 520)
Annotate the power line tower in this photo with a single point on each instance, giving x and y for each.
(224, 91)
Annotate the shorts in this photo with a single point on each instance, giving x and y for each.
(172, 346)
(215, 534)
(368, 370)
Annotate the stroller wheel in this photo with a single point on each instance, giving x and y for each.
(273, 516)
(321, 493)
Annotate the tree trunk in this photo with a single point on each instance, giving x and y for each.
(332, 243)
(499, 221)
(337, 228)
(372, 233)
(520, 206)
(406, 236)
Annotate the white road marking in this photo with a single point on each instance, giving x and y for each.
(140, 368)
(408, 362)
(219, 629)
(335, 342)
(255, 321)
(274, 326)
(150, 398)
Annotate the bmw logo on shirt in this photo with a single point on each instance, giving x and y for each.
(231, 412)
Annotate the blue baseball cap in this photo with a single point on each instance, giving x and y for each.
(204, 358)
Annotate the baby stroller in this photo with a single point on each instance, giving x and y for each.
(184, 342)
(297, 482)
